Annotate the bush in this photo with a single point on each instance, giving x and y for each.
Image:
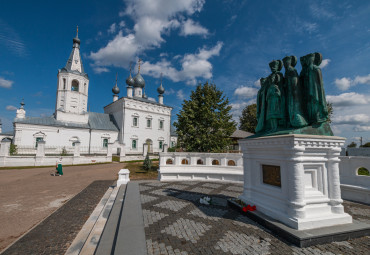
(173, 149)
(147, 165)
(64, 152)
(363, 171)
(13, 150)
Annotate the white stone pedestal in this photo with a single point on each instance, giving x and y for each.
(123, 177)
(309, 193)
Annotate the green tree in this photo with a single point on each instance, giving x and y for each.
(13, 150)
(147, 165)
(248, 119)
(366, 145)
(205, 123)
(352, 145)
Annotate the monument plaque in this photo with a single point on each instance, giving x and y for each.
(271, 175)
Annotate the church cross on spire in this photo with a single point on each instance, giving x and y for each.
(139, 65)
(77, 32)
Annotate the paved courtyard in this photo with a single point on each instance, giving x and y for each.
(27, 196)
(176, 223)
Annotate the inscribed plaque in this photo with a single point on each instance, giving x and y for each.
(271, 175)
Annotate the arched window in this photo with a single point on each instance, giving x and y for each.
(64, 83)
(169, 161)
(199, 162)
(231, 163)
(85, 88)
(184, 162)
(74, 85)
(363, 171)
(215, 162)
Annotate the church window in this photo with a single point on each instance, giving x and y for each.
(85, 88)
(148, 123)
(160, 144)
(74, 85)
(105, 143)
(134, 121)
(161, 124)
(38, 139)
(64, 83)
(134, 142)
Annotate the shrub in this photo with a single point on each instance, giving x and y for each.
(13, 150)
(147, 165)
(363, 171)
(64, 152)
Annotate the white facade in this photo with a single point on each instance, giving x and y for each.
(139, 122)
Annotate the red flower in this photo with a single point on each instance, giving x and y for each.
(249, 207)
(245, 209)
(253, 208)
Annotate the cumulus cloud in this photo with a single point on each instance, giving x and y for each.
(246, 92)
(348, 99)
(112, 29)
(5, 83)
(257, 83)
(11, 108)
(180, 94)
(352, 119)
(325, 63)
(361, 128)
(189, 27)
(193, 66)
(169, 91)
(152, 19)
(345, 83)
(98, 69)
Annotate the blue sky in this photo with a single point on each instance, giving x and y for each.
(227, 42)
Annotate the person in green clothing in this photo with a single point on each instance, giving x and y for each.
(59, 167)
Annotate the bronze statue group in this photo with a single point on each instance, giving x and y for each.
(292, 101)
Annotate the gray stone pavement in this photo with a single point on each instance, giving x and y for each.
(176, 223)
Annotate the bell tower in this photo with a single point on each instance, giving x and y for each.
(72, 88)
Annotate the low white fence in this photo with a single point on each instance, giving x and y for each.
(353, 186)
(200, 166)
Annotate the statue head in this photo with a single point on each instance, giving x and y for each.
(276, 65)
(318, 58)
(287, 62)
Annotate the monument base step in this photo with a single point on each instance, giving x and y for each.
(306, 238)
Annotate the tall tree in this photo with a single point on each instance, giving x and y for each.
(248, 119)
(205, 123)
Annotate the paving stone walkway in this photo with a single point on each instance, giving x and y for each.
(176, 223)
(55, 234)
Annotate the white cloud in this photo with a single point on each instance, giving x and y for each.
(100, 69)
(257, 83)
(238, 106)
(5, 83)
(346, 83)
(193, 66)
(152, 99)
(11, 108)
(112, 29)
(180, 94)
(325, 63)
(348, 99)
(361, 128)
(343, 84)
(152, 19)
(246, 92)
(189, 27)
(362, 80)
(352, 119)
(122, 24)
(169, 91)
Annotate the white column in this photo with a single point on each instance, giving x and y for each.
(334, 183)
(160, 99)
(129, 92)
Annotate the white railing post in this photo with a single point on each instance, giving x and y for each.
(123, 177)
(5, 147)
(77, 149)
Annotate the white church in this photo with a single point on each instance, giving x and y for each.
(130, 121)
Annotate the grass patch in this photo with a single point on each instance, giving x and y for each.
(363, 171)
(137, 171)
